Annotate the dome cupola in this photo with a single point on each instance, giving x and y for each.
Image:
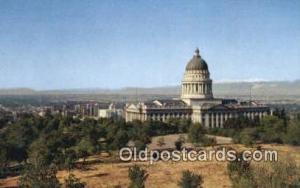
(196, 63)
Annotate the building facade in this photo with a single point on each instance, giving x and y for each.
(196, 102)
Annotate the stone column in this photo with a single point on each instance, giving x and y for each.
(222, 122)
(206, 120)
(217, 120)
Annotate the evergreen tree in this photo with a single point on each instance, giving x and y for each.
(190, 180)
(137, 177)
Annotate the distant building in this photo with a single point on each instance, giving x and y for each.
(197, 102)
(112, 111)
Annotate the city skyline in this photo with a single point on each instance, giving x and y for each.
(109, 44)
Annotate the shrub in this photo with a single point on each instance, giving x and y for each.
(265, 175)
(190, 180)
(39, 176)
(196, 133)
(72, 182)
(178, 144)
(293, 133)
(137, 177)
(276, 174)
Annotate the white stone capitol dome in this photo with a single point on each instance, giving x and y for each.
(196, 82)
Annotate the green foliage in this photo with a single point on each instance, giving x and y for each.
(239, 172)
(84, 148)
(265, 175)
(179, 142)
(72, 182)
(179, 125)
(276, 174)
(18, 137)
(40, 152)
(137, 177)
(272, 129)
(3, 157)
(247, 136)
(63, 140)
(240, 123)
(196, 133)
(293, 133)
(238, 167)
(190, 180)
(39, 176)
(70, 158)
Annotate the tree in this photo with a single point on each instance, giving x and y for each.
(84, 149)
(272, 129)
(137, 177)
(139, 145)
(239, 166)
(179, 142)
(18, 137)
(273, 174)
(196, 133)
(70, 158)
(39, 175)
(72, 182)
(293, 133)
(184, 125)
(39, 153)
(277, 174)
(190, 180)
(247, 136)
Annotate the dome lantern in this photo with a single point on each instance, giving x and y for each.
(197, 52)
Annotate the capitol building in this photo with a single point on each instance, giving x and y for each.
(196, 102)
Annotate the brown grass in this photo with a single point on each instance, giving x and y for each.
(162, 174)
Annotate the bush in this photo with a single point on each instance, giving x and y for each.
(196, 133)
(276, 174)
(178, 144)
(39, 176)
(293, 133)
(238, 167)
(272, 129)
(246, 137)
(137, 177)
(266, 175)
(190, 180)
(73, 182)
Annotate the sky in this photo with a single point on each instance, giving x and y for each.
(112, 44)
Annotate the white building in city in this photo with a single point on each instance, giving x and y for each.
(196, 102)
(110, 112)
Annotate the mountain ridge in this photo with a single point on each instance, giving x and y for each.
(263, 88)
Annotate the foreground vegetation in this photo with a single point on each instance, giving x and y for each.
(39, 147)
(164, 174)
(59, 142)
(284, 173)
(271, 129)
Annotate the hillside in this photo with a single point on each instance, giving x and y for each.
(265, 89)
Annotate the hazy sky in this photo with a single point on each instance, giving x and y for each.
(111, 44)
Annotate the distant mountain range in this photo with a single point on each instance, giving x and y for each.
(263, 88)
